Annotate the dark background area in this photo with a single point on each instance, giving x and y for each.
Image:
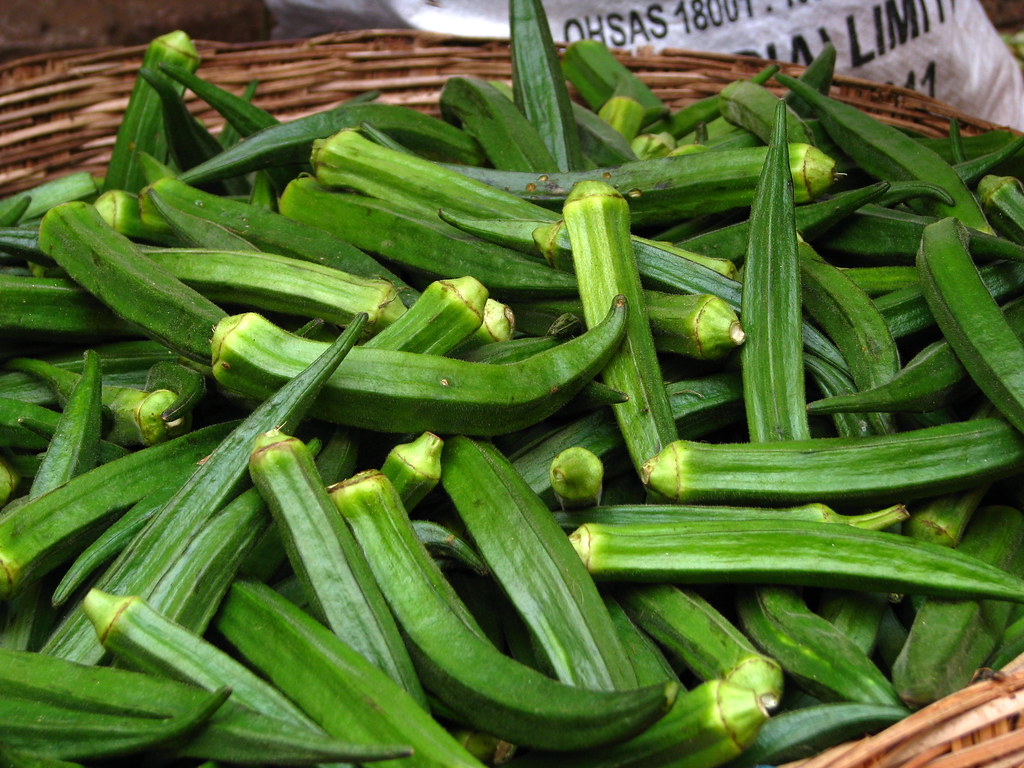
(37, 26)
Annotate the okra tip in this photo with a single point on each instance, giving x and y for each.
(272, 442)
(665, 471)
(762, 675)
(581, 540)
(8, 576)
(104, 609)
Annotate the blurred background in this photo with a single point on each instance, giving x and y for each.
(37, 26)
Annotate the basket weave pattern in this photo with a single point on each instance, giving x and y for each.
(60, 113)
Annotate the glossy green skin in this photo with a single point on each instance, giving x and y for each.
(772, 357)
(87, 703)
(317, 671)
(786, 553)
(485, 113)
(950, 639)
(887, 153)
(390, 391)
(444, 314)
(537, 568)
(970, 319)
(39, 535)
(409, 237)
(665, 189)
(876, 469)
(112, 268)
(709, 725)
(290, 142)
(696, 632)
(823, 660)
(336, 578)
(55, 309)
(455, 660)
(146, 567)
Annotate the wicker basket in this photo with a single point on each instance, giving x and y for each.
(60, 112)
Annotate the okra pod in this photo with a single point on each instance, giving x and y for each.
(332, 569)
(787, 553)
(414, 468)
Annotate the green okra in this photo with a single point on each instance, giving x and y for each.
(55, 309)
(942, 519)
(77, 185)
(504, 133)
(853, 322)
(618, 514)
(856, 614)
(876, 469)
(124, 363)
(61, 705)
(442, 316)
(110, 267)
(818, 74)
(189, 141)
(786, 553)
(886, 153)
(111, 541)
(875, 281)
(772, 360)
(649, 146)
(15, 416)
(714, 722)
(447, 548)
(698, 406)
(149, 642)
(136, 416)
(975, 168)
(316, 670)
(141, 567)
(1002, 198)
(290, 143)
(457, 663)
(813, 652)
(337, 581)
(267, 230)
(752, 106)
(122, 211)
(600, 143)
(812, 220)
(142, 127)
(596, 73)
(39, 535)
(555, 597)
(435, 394)
(647, 659)
(414, 468)
(808, 731)
(833, 383)
(970, 319)
(597, 221)
(577, 476)
(625, 115)
(193, 231)
(9, 480)
(690, 628)
(188, 385)
(420, 241)
(950, 639)
(266, 282)
(667, 188)
(75, 446)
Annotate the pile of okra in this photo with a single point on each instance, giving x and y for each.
(563, 429)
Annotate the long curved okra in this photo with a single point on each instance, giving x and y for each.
(537, 568)
(455, 660)
(332, 569)
(970, 319)
(115, 271)
(431, 393)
